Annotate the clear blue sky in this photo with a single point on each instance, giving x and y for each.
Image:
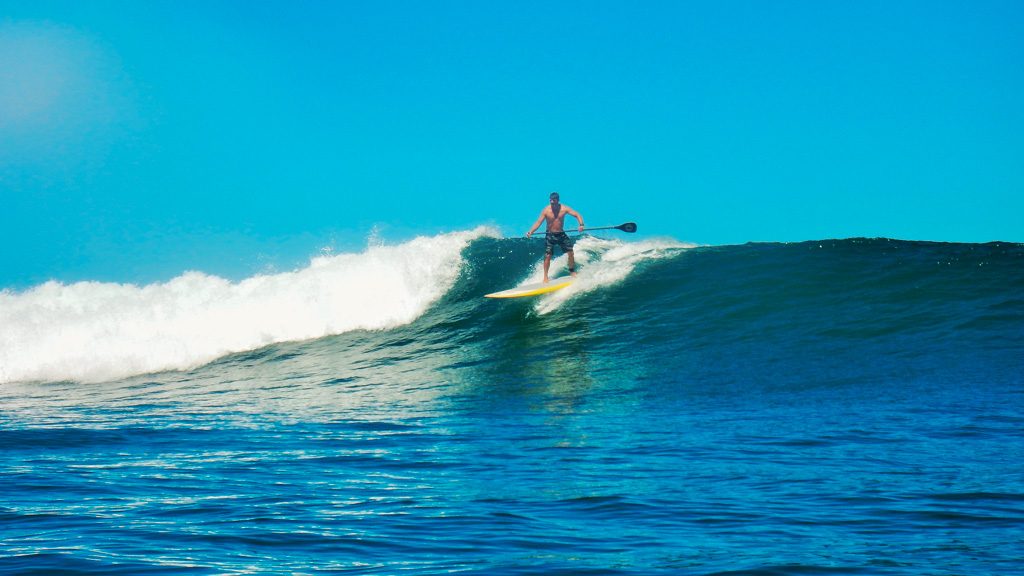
(139, 139)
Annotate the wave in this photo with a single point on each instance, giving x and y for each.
(92, 331)
(675, 307)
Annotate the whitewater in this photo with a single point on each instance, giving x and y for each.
(93, 331)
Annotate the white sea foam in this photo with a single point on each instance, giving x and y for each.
(92, 331)
(602, 263)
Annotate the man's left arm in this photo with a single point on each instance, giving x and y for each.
(575, 215)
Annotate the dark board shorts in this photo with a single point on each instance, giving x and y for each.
(560, 239)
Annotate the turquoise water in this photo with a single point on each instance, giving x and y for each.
(834, 407)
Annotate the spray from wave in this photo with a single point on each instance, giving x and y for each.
(602, 263)
(91, 331)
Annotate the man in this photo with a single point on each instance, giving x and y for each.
(554, 215)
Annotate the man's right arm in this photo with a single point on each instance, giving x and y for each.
(536, 224)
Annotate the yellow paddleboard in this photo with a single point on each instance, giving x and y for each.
(534, 289)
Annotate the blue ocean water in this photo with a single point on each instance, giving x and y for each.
(835, 407)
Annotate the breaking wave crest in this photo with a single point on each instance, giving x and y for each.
(92, 331)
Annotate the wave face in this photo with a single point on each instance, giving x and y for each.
(834, 407)
(659, 293)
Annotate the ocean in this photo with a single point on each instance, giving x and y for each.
(831, 407)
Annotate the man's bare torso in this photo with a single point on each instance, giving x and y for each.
(556, 222)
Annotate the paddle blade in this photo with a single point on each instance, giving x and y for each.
(627, 227)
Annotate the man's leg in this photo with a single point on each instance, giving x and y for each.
(547, 264)
(572, 263)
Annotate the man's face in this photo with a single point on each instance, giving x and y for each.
(554, 199)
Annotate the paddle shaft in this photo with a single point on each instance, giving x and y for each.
(627, 227)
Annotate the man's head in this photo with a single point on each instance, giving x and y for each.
(554, 197)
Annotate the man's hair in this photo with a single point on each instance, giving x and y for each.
(554, 196)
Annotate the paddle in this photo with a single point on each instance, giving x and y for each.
(627, 227)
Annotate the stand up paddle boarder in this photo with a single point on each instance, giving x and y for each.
(554, 215)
